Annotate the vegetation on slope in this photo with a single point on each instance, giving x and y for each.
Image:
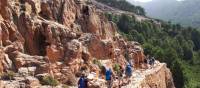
(185, 12)
(124, 5)
(178, 46)
(173, 44)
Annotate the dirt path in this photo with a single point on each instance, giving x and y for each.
(139, 76)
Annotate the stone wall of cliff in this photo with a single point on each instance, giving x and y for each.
(159, 76)
(57, 38)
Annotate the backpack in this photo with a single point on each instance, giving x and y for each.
(108, 74)
(131, 63)
(82, 82)
(153, 60)
(128, 70)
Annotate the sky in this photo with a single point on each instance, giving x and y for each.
(144, 0)
(141, 0)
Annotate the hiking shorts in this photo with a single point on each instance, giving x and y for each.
(109, 83)
(128, 75)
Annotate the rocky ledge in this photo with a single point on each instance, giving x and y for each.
(158, 76)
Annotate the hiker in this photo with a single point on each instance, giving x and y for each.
(128, 71)
(120, 76)
(109, 77)
(131, 62)
(146, 61)
(95, 71)
(152, 61)
(83, 82)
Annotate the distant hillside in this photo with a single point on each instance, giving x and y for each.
(173, 44)
(124, 5)
(185, 12)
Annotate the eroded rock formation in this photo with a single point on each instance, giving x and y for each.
(157, 77)
(57, 38)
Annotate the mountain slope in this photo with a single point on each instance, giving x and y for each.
(183, 12)
(173, 44)
(124, 5)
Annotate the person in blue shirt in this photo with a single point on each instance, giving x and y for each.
(82, 83)
(108, 76)
(128, 71)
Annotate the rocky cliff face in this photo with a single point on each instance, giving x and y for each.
(157, 77)
(57, 38)
(161, 78)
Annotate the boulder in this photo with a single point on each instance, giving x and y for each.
(12, 84)
(99, 83)
(46, 10)
(53, 53)
(26, 71)
(4, 10)
(32, 82)
(68, 76)
(7, 63)
(73, 53)
(24, 60)
(101, 49)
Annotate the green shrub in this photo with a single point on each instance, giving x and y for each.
(102, 68)
(97, 62)
(49, 80)
(8, 76)
(116, 68)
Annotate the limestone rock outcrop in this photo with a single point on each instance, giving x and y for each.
(157, 77)
(162, 78)
(58, 38)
